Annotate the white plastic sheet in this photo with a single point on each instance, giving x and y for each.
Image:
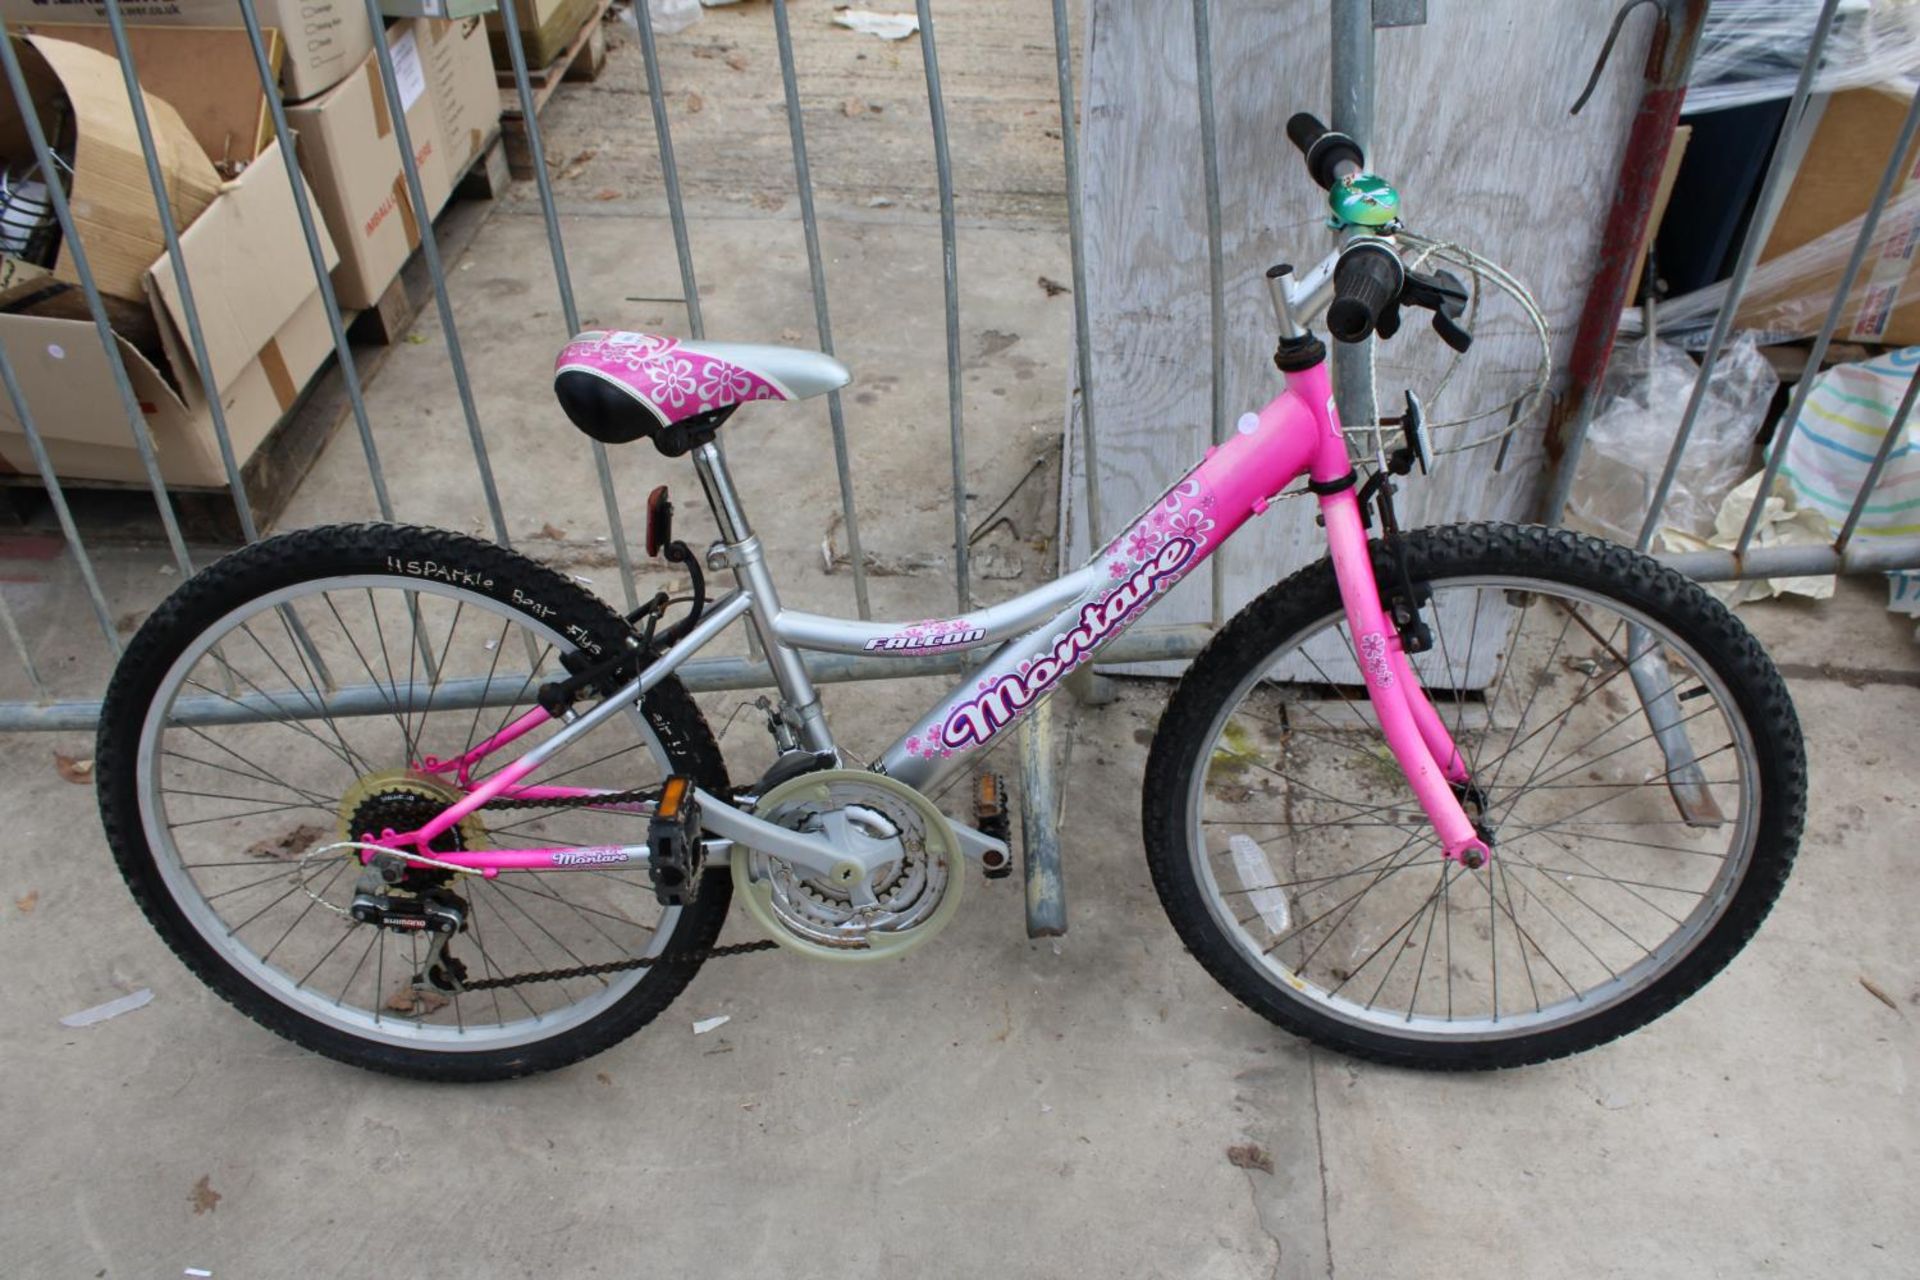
(1751, 50)
(1634, 429)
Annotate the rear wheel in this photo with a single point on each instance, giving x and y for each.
(1636, 756)
(301, 691)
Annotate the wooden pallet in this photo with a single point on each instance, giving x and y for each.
(116, 510)
(583, 59)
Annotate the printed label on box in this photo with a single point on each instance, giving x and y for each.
(408, 74)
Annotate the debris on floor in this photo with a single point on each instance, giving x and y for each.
(888, 26)
(111, 1009)
(705, 1025)
(204, 1199)
(288, 844)
(75, 769)
(1250, 1155)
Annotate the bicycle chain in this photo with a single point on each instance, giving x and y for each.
(634, 796)
(617, 966)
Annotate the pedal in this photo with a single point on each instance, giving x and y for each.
(676, 856)
(990, 818)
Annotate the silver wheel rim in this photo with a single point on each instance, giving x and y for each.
(511, 1027)
(1354, 999)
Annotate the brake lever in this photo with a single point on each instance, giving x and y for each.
(1444, 295)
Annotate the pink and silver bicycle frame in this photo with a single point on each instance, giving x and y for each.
(1041, 637)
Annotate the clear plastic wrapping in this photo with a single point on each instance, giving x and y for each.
(1787, 296)
(1627, 443)
(1750, 50)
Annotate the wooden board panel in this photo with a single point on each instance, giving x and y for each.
(1473, 128)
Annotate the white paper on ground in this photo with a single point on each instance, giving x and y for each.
(705, 1025)
(111, 1009)
(1256, 876)
(888, 26)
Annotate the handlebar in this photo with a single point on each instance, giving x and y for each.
(1330, 156)
(1370, 284)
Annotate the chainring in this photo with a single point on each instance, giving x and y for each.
(908, 897)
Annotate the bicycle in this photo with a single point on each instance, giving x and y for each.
(1416, 846)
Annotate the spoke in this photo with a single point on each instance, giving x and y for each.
(1457, 681)
(1565, 717)
(392, 692)
(222, 795)
(341, 999)
(1597, 913)
(1526, 940)
(1589, 807)
(433, 687)
(285, 722)
(1499, 767)
(1601, 875)
(499, 643)
(280, 873)
(1412, 925)
(570, 953)
(353, 758)
(495, 971)
(1360, 870)
(247, 813)
(1584, 946)
(1447, 866)
(295, 888)
(312, 902)
(393, 680)
(345, 933)
(319, 700)
(507, 882)
(1630, 892)
(1350, 904)
(239, 773)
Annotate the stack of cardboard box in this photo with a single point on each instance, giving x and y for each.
(259, 304)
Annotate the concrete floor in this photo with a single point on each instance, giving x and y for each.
(989, 1105)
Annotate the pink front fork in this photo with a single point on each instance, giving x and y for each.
(1419, 741)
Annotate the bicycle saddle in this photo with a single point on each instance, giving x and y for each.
(619, 386)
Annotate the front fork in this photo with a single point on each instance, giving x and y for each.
(1419, 741)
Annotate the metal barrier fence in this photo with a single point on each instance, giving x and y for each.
(1352, 30)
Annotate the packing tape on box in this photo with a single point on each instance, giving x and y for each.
(274, 365)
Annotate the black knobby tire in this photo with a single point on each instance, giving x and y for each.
(1182, 743)
(337, 550)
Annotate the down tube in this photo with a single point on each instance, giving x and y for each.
(1165, 543)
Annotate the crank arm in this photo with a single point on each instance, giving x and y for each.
(820, 857)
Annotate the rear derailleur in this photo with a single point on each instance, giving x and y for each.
(436, 912)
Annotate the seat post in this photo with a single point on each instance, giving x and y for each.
(711, 465)
(750, 573)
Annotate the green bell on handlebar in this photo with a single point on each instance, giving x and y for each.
(1363, 200)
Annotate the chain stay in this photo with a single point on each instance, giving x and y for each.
(635, 796)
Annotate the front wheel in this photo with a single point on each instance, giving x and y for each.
(1635, 755)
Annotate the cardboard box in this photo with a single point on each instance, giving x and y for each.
(110, 197)
(547, 27)
(349, 152)
(325, 39)
(169, 61)
(466, 94)
(260, 312)
(437, 8)
(1832, 188)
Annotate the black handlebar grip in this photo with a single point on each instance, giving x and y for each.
(1324, 149)
(1366, 281)
(1305, 129)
